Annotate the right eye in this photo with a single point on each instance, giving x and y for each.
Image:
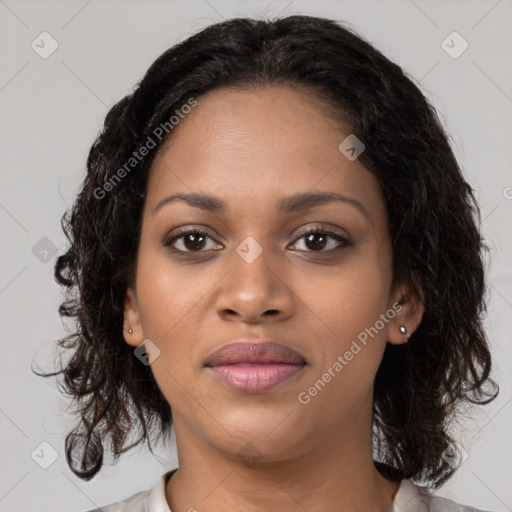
(189, 241)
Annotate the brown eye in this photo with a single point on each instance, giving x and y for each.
(189, 241)
(322, 240)
(316, 241)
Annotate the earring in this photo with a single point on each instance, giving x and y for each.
(403, 331)
(130, 331)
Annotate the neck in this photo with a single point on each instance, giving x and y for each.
(339, 474)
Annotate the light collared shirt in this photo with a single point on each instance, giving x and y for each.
(409, 498)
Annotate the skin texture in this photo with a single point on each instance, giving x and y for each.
(252, 148)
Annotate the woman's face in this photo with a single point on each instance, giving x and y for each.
(264, 158)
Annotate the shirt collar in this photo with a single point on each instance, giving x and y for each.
(408, 498)
(156, 500)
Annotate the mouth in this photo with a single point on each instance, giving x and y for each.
(253, 368)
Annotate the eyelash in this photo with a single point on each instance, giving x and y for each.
(343, 241)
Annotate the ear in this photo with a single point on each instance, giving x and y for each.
(409, 311)
(132, 319)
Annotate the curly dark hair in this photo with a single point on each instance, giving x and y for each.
(438, 250)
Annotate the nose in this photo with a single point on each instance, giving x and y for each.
(255, 292)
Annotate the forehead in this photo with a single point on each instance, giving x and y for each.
(258, 143)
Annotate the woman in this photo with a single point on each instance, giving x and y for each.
(275, 251)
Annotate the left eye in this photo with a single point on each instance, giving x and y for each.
(318, 240)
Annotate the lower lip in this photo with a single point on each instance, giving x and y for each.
(252, 378)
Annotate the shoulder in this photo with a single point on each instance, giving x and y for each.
(135, 503)
(413, 498)
(442, 504)
(149, 500)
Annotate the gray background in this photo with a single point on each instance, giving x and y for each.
(51, 111)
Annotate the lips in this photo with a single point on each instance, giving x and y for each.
(266, 352)
(252, 368)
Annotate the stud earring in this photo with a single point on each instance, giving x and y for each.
(130, 331)
(403, 331)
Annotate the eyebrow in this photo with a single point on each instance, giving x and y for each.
(297, 202)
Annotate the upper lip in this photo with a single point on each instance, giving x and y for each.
(262, 352)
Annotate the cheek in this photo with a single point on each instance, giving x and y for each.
(172, 301)
(346, 308)
(169, 305)
(349, 298)
(165, 295)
